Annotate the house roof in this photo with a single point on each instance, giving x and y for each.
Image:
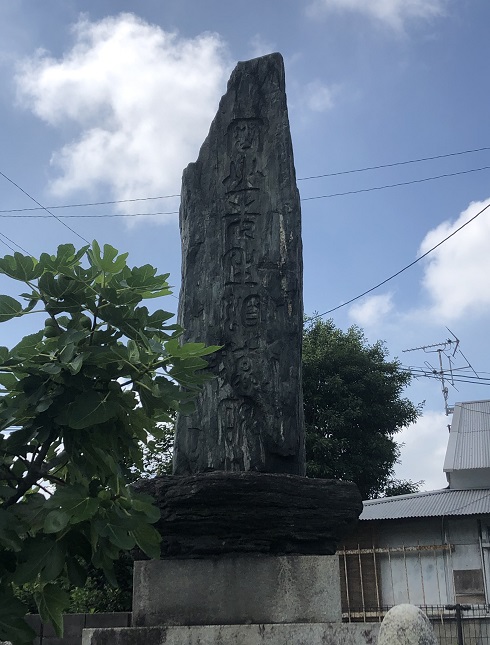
(436, 503)
(469, 440)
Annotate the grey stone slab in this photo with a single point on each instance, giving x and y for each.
(114, 619)
(237, 590)
(296, 634)
(242, 283)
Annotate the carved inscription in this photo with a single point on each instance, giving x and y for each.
(241, 289)
(241, 303)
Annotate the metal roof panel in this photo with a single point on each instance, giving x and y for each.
(430, 504)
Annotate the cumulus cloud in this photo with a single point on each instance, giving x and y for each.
(371, 311)
(424, 448)
(319, 97)
(140, 99)
(259, 46)
(392, 13)
(456, 274)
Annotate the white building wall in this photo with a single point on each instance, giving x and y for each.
(417, 573)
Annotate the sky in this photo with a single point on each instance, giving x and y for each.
(107, 101)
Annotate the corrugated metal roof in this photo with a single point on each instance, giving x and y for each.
(469, 440)
(431, 504)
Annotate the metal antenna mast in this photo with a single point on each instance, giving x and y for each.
(449, 348)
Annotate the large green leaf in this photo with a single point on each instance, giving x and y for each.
(148, 539)
(41, 556)
(90, 409)
(27, 346)
(13, 627)
(52, 601)
(55, 521)
(20, 267)
(9, 308)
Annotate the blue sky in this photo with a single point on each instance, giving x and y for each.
(104, 100)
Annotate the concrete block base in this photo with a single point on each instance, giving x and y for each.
(292, 634)
(237, 590)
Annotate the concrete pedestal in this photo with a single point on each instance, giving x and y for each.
(292, 634)
(241, 600)
(237, 590)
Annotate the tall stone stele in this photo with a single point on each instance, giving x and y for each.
(242, 283)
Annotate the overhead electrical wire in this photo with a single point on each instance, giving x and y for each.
(331, 174)
(43, 207)
(7, 213)
(424, 255)
(391, 165)
(401, 183)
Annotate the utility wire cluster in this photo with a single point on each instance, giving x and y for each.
(47, 211)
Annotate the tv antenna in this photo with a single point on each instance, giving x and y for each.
(446, 351)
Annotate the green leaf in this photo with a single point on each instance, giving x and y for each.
(9, 308)
(20, 267)
(77, 574)
(109, 262)
(4, 353)
(90, 408)
(8, 380)
(27, 346)
(148, 539)
(151, 512)
(55, 521)
(41, 556)
(51, 602)
(12, 624)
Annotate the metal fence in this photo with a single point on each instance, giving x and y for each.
(453, 624)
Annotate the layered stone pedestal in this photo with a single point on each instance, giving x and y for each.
(239, 600)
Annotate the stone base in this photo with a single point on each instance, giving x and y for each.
(295, 634)
(237, 590)
(218, 513)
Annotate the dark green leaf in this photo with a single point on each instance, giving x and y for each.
(90, 408)
(12, 624)
(148, 539)
(55, 521)
(9, 308)
(52, 601)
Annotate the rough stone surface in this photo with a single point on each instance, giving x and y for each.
(297, 634)
(218, 513)
(242, 283)
(237, 591)
(406, 625)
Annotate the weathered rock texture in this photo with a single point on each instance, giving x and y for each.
(242, 283)
(406, 625)
(220, 513)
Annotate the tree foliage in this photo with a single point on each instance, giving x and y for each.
(353, 407)
(79, 400)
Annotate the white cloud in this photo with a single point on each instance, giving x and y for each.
(422, 455)
(320, 97)
(393, 13)
(141, 100)
(371, 311)
(456, 274)
(259, 46)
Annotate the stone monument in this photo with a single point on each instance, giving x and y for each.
(247, 539)
(242, 283)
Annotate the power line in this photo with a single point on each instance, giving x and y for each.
(332, 174)
(401, 183)
(408, 266)
(12, 242)
(5, 213)
(43, 207)
(391, 165)
(86, 215)
(115, 201)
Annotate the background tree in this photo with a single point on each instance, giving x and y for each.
(353, 407)
(80, 399)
